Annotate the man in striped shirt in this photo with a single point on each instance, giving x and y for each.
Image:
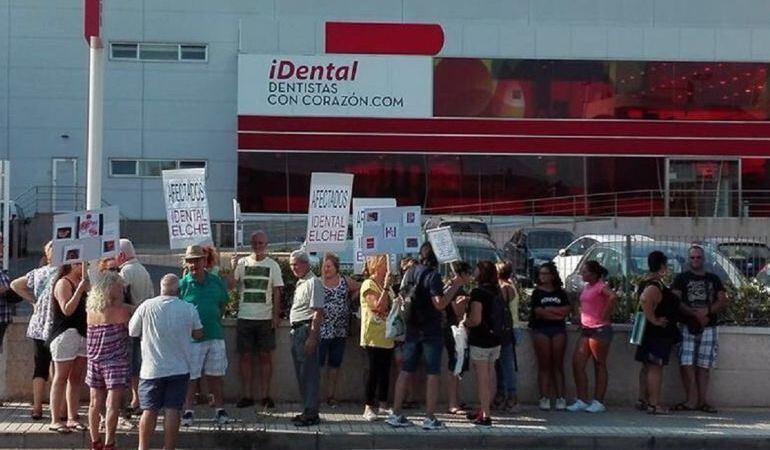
(259, 283)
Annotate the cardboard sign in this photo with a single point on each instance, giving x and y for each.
(328, 211)
(187, 207)
(392, 230)
(359, 204)
(443, 244)
(85, 235)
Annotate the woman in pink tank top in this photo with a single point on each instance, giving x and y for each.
(597, 302)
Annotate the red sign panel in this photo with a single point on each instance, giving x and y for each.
(384, 38)
(92, 19)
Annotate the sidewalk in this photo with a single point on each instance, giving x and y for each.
(344, 428)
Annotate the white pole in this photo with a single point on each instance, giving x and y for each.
(6, 167)
(95, 123)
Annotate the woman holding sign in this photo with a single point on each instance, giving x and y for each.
(68, 346)
(375, 304)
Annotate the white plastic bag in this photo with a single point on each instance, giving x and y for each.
(460, 335)
(395, 327)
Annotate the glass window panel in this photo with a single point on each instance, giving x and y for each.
(123, 167)
(123, 50)
(193, 52)
(189, 164)
(159, 52)
(154, 168)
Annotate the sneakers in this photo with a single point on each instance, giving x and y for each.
(482, 421)
(578, 406)
(545, 403)
(245, 402)
(222, 418)
(561, 404)
(596, 407)
(187, 418)
(432, 423)
(398, 421)
(369, 414)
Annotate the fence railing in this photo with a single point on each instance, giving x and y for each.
(54, 199)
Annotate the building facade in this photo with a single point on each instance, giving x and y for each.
(502, 102)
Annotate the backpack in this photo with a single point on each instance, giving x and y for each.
(495, 318)
(409, 298)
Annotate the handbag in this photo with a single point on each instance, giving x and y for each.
(640, 323)
(395, 326)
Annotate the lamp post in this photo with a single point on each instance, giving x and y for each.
(92, 31)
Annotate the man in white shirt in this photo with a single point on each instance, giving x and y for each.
(259, 282)
(138, 288)
(165, 324)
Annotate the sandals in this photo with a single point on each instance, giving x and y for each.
(457, 411)
(75, 425)
(60, 428)
(682, 407)
(34, 415)
(707, 408)
(657, 410)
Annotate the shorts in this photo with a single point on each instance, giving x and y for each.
(550, 332)
(42, 360)
(602, 334)
(208, 358)
(254, 336)
(699, 349)
(68, 346)
(485, 354)
(108, 375)
(163, 393)
(331, 350)
(136, 356)
(414, 348)
(449, 344)
(654, 350)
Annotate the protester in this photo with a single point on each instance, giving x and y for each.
(166, 324)
(67, 341)
(483, 338)
(549, 308)
(36, 287)
(138, 288)
(703, 297)
(455, 313)
(597, 302)
(660, 308)
(306, 316)
(107, 347)
(505, 366)
(259, 282)
(208, 294)
(376, 301)
(423, 336)
(338, 289)
(412, 387)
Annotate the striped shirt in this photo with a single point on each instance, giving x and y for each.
(256, 280)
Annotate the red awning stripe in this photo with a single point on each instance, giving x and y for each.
(527, 127)
(384, 38)
(573, 145)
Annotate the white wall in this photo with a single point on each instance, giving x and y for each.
(188, 110)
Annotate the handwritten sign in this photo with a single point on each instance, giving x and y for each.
(328, 211)
(187, 207)
(443, 244)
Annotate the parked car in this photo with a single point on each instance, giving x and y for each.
(614, 257)
(528, 248)
(473, 249)
(748, 255)
(458, 224)
(569, 256)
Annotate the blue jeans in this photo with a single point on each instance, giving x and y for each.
(506, 374)
(306, 369)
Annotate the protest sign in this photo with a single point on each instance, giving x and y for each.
(85, 235)
(391, 230)
(443, 244)
(328, 213)
(358, 221)
(187, 207)
(237, 226)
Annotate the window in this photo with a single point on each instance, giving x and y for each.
(146, 51)
(150, 168)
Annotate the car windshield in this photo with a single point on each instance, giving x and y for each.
(467, 227)
(549, 239)
(677, 261)
(745, 250)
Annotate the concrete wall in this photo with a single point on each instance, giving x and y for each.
(739, 380)
(188, 110)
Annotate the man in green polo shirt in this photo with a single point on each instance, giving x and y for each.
(208, 294)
